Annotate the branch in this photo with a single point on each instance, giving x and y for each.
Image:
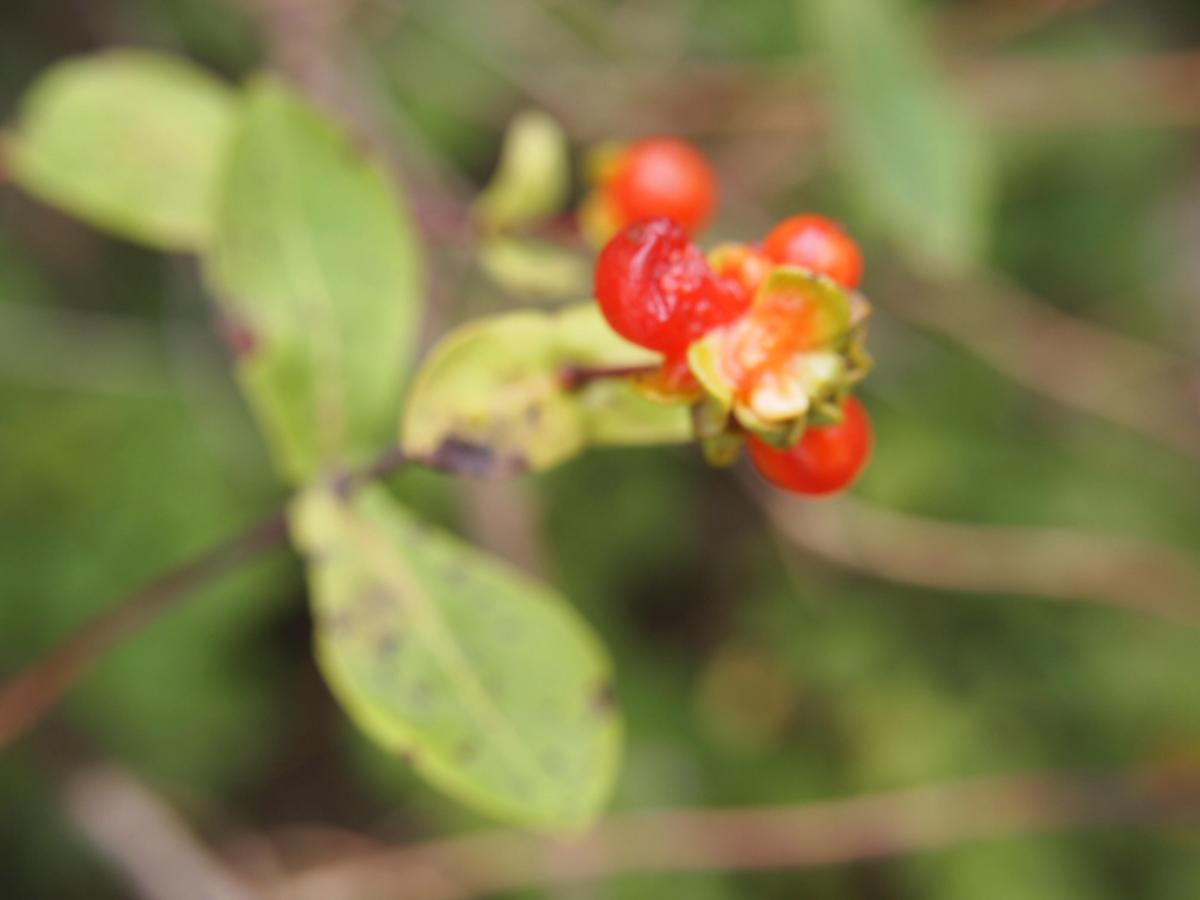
(875, 826)
(985, 24)
(4, 151)
(1048, 563)
(1136, 385)
(144, 839)
(576, 378)
(1015, 92)
(29, 695)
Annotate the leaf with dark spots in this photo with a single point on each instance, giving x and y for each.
(496, 675)
(312, 252)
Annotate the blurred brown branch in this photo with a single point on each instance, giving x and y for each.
(144, 839)
(817, 834)
(1049, 563)
(989, 22)
(34, 691)
(28, 696)
(736, 98)
(1131, 383)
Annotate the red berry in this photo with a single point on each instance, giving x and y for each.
(827, 459)
(656, 289)
(817, 244)
(663, 177)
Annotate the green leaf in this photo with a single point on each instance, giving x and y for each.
(487, 681)
(317, 263)
(916, 157)
(533, 179)
(497, 382)
(535, 270)
(129, 141)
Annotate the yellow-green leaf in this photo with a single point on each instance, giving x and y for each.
(129, 141)
(533, 178)
(914, 154)
(535, 270)
(315, 259)
(497, 382)
(486, 681)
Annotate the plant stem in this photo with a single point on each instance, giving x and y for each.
(576, 378)
(832, 832)
(31, 694)
(34, 691)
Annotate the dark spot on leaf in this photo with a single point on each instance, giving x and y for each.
(603, 700)
(239, 338)
(533, 414)
(508, 628)
(387, 644)
(381, 599)
(553, 762)
(466, 750)
(420, 695)
(336, 623)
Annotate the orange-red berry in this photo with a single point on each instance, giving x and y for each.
(826, 460)
(662, 177)
(656, 289)
(817, 244)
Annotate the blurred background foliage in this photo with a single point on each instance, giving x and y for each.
(1051, 143)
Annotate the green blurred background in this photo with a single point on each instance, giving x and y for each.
(1050, 145)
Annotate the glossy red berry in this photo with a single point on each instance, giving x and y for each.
(818, 244)
(663, 177)
(826, 460)
(656, 289)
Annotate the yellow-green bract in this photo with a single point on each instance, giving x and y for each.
(497, 382)
(533, 178)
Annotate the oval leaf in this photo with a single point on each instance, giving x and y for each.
(498, 382)
(129, 141)
(911, 150)
(487, 681)
(318, 267)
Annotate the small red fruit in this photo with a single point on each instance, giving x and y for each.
(663, 177)
(826, 460)
(817, 244)
(656, 289)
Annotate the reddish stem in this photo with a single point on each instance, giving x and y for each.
(576, 378)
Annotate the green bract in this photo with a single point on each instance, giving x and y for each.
(805, 387)
(533, 179)
(498, 382)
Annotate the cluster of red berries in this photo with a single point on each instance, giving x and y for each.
(660, 291)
